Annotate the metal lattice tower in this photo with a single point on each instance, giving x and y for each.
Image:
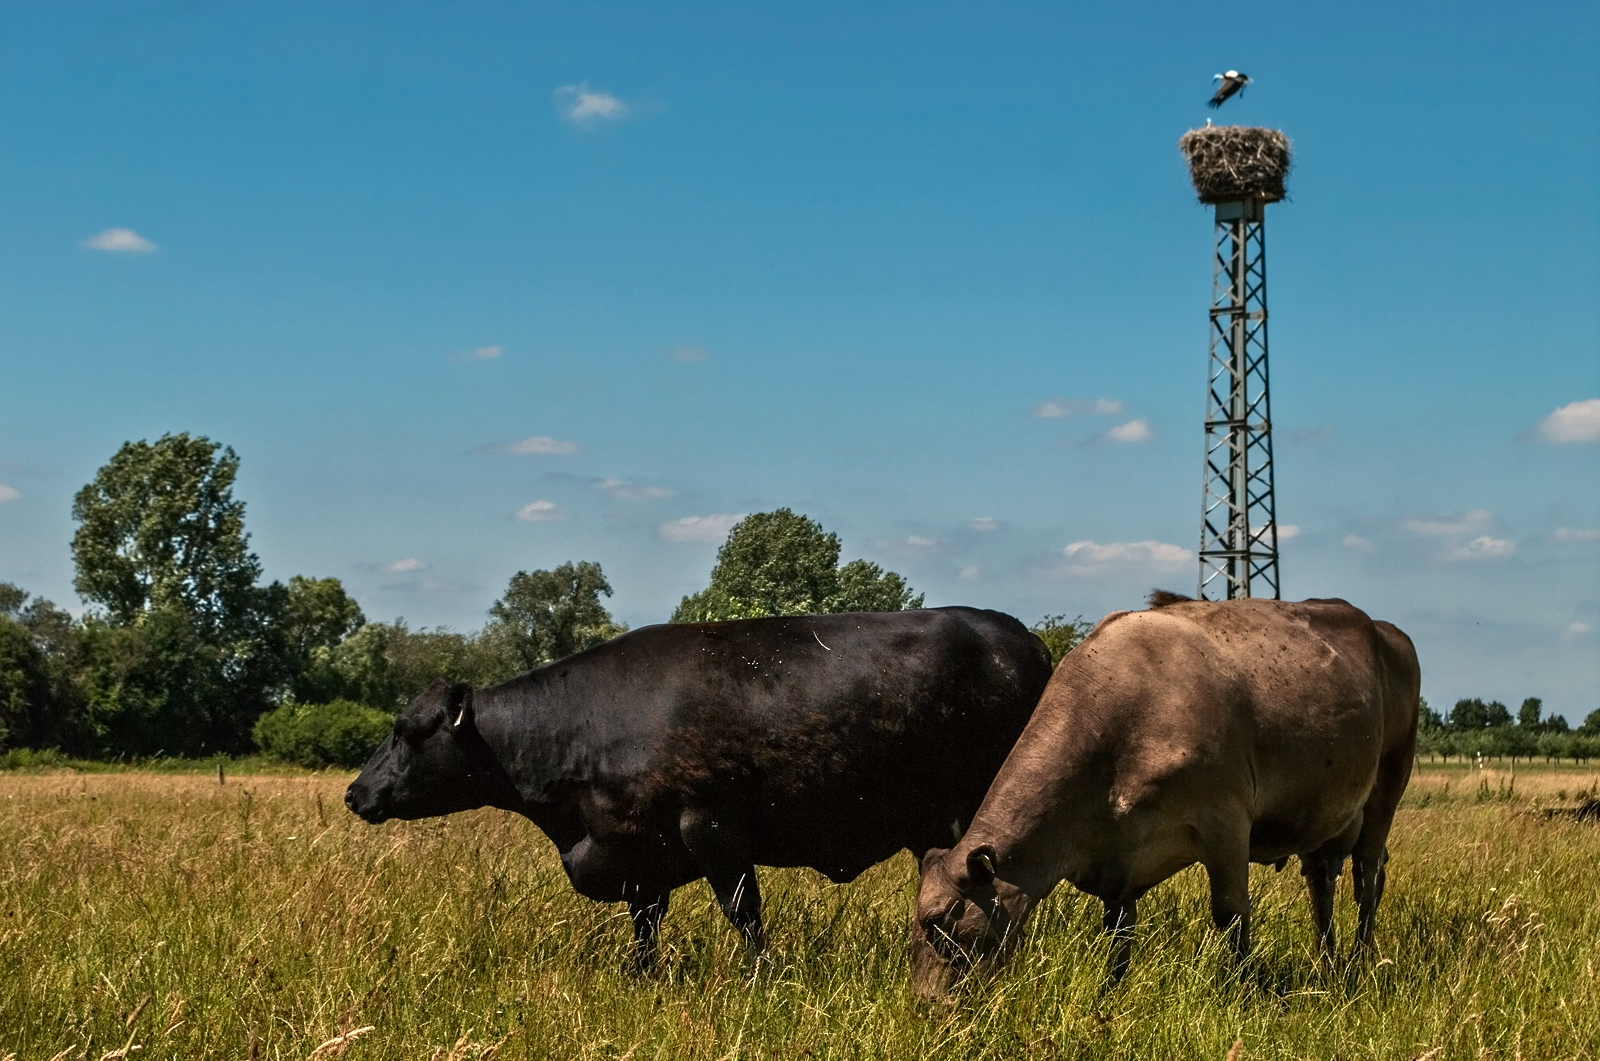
(1238, 518)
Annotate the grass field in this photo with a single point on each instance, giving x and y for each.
(170, 916)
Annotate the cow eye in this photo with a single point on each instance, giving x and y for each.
(937, 932)
(939, 925)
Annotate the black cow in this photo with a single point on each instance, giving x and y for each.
(702, 750)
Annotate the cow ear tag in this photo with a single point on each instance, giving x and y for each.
(980, 866)
(463, 708)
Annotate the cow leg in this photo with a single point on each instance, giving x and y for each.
(1322, 877)
(1230, 898)
(1372, 846)
(722, 850)
(1321, 869)
(1120, 917)
(647, 915)
(1368, 869)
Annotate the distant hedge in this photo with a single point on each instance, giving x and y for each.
(340, 733)
(1500, 742)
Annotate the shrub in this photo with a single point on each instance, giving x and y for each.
(340, 733)
(1061, 635)
(33, 759)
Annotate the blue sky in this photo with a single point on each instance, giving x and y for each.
(835, 257)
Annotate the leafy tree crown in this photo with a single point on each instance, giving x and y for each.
(1475, 714)
(159, 528)
(546, 615)
(783, 563)
(1061, 635)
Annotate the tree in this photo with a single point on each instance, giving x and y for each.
(546, 615)
(39, 703)
(159, 528)
(318, 614)
(1591, 725)
(866, 587)
(1475, 714)
(1528, 718)
(783, 563)
(185, 650)
(1060, 635)
(387, 665)
(24, 688)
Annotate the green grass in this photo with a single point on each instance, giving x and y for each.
(257, 918)
(27, 760)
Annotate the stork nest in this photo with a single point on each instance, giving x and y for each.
(1229, 162)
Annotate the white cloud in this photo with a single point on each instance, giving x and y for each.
(1474, 520)
(410, 563)
(713, 528)
(1483, 548)
(1578, 534)
(582, 105)
(541, 512)
(1132, 431)
(1056, 408)
(984, 524)
(539, 445)
(919, 542)
(1577, 422)
(969, 573)
(120, 241)
(8, 494)
(1092, 558)
(1464, 537)
(1357, 542)
(482, 353)
(623, 490)
(1285, 532)
(691, 353)
(1578, 629)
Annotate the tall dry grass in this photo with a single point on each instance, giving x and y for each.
(173, 917)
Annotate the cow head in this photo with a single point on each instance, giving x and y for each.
(434, 762)
(967, 919)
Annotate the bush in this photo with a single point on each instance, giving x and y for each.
(1061, 635)
(340, 733)
(33, 759)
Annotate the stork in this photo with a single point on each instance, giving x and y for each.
(1232, 82)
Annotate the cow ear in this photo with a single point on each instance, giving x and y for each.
(458, 706)
(980, 866)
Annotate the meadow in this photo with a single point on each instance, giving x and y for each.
(170, 915)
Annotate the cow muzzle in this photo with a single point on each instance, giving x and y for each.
(364, 805)
(932, 973)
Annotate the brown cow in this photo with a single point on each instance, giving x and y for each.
(1221, 733)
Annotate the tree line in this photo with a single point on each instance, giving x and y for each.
(1476, 728)
(184, 650)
